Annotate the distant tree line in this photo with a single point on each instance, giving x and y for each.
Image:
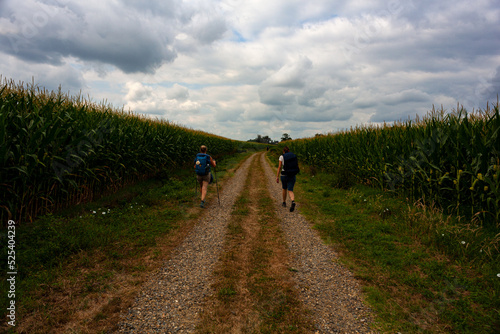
(268, 140)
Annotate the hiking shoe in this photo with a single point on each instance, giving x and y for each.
(284, 204)
(202, 204)
(292, 207)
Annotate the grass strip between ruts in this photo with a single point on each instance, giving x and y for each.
(255, 293)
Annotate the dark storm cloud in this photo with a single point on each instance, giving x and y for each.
(131, 37)
(492, 87)
(130, 54)
(411, 95)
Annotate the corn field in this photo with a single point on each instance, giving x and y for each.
(57, 150)
(449, 159)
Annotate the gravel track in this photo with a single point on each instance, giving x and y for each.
(173, 298)
(326, 287)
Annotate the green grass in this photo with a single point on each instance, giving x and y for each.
(422, 272)
(278, 304)
(113, 230)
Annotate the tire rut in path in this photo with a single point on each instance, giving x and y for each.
(170, 302)
(326, 287)
(253, 291)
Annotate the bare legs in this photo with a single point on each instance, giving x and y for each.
(204, 188)
(290, 193)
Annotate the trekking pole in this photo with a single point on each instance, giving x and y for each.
(217, 185)
(195, 187)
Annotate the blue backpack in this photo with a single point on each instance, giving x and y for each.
(202, 168)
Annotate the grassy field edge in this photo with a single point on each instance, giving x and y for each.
(80, 267)
(422, 271)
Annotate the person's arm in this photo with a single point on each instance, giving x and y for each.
(278, 174)
(212, 162)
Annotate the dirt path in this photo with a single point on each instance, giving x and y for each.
(326, 287)
(172, 299)
(254, 292)
(250, 265)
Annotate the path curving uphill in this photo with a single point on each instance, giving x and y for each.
(179, 295)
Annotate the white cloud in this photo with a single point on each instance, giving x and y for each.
(172, 103)
(137, 92)
(178, 92)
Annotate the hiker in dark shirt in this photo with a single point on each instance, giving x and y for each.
(289, 167)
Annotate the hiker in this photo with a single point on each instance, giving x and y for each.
(289, 167)
(202, 164)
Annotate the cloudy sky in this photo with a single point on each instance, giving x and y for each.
(239, 68)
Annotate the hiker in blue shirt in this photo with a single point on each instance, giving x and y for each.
(202, 164)
(289, 167)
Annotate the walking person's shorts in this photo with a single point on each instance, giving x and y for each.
(202, 178)
(288, 181)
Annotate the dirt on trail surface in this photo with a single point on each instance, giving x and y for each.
(296, 276)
